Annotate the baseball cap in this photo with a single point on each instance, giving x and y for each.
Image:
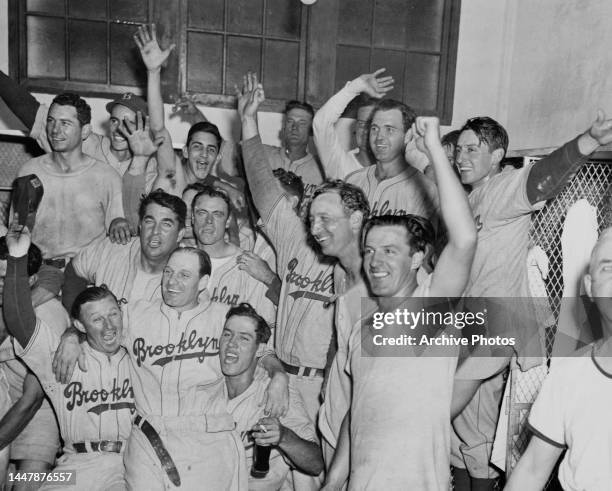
(131, 101)
(26, 196)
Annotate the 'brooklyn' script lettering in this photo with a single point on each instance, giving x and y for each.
(385, 210)
(191, 346)
(320, 284)
(77, 396)
(221, 296)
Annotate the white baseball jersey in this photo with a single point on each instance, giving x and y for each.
(307, 167)
(246, 411)
(171, 353)
(305, 315)
(410, 192)
(95, 405)
(230, 286)
(116, 266)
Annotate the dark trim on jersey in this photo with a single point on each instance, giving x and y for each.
(544, 438)
(599, 367)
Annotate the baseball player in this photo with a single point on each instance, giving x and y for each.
(173, 344)
(336, 161)
(134, 270)
(502, 202)
(82, 196)
(401, 406)
(228, 283)
(293, 436)
(304, 320)
(393, 187)
(94, 409)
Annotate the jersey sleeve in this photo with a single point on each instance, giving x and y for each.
(547, 417)
(286, 232)
(336, 161)
(88, 259)
(511, 197)
(39, 352)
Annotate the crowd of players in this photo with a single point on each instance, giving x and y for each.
(166, 317)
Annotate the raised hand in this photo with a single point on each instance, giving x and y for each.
(138, 136)
(18, 238)
(152, 55)
(426, 130)
(250, 97)
(373, 84)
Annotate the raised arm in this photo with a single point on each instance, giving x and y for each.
(453, 268)
(17, 302)
(337, 164)
(549, 176)
(154, 58)
(265, 188)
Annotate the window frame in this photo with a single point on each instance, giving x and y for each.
(315, 78)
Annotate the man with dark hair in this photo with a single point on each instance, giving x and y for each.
(94, 410)
(82, 196)
(134, 270)
(293, 154)
(293, 436)
(400, 413)
(28, 430)
(393, 187)
(202, 149)
(336, 160)
(502, 202)
(228, 283)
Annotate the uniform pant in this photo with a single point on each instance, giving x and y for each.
(207, 451)
(93, 471)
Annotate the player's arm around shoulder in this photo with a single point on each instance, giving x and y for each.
(452, 270)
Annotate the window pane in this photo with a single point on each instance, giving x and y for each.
(350, 63)
(283, 18)
(422, 85)
(88, 10)
(204, 58)
(245, 16)
(87, 45)
(355, 24)
(424, 24)
(281, 69)
(125, 61)
(46, 49)
(205, 14)
(48, 6)
(393, 61)
(390, 24)
(243, 54)
(134, 10)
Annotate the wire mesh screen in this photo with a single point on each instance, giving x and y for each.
(593, 183)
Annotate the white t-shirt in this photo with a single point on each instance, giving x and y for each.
(573, 410)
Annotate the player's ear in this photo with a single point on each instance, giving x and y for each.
(185, 152)
(588, 280)
(294, 200)
(85, 131)
(79, 325)
(356, 220)
(181, 233)
(32, 279)
(497, 155)
(417, 259)
(203, 283)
